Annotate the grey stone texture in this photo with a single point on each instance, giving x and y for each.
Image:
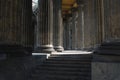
(105, 71)
(19, 68)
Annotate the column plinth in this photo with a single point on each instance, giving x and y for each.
(45, 49)
(58, 48)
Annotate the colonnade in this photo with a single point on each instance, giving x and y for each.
(16, 25)
(91, 23)
(94, 22)
(49, 29)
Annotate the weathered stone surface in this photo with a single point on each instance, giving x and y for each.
(16, 68)
(105, 71)
(19, 68)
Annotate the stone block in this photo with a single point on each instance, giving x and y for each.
(105, 67)
(108, 48)
(105, 71)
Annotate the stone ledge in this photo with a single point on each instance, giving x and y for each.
(105, 58)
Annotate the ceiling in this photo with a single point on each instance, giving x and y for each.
(67, 5)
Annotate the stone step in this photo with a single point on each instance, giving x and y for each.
(59, 77)
(77, 56)
(66, 59)
(62, 69)
(63, 66)
(67, 62)
(52, 61)
(67, 78)
(66, 65)
(62, 74)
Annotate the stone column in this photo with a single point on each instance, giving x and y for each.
(73, 37)
(74, 28)
(45, 27)
(58, 26)
(69, 30)
(16, 23)
(65, 35)
(80, 25)
(88, 24)
(99, 21)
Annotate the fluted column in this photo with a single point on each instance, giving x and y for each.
(66, 35)
(80, 25)
(88, 22)
(45, 27)
(16, 22)
(74, 29)
(99, 21)
(58, 26)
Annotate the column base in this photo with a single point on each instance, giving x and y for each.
(59, 48)
(44, 49)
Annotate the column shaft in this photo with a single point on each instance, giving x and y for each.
(45, 27)
(16, 22)
(58, 26)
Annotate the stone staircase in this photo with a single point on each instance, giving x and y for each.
(64, 67)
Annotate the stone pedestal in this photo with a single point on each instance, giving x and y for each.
(58, 26)
(106, 61)
(45, 27)
(105, 67)
(16, 23)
